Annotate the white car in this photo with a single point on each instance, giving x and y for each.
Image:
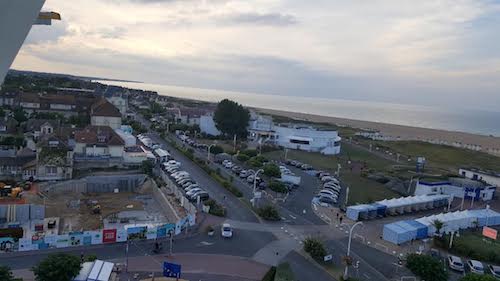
(324, 194)
(475, 266)
(226, 230)
(333, 187)
(327, 178)
(190, 187)
(455, 263)
(193, 191)
(229, 165)
(494, 270)
(327, 191)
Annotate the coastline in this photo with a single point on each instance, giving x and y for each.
(404, 132)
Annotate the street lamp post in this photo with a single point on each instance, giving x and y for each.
(349, 248)
(255, 185)
(208, 155)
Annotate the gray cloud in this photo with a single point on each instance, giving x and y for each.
(47, 33)
(274, 19)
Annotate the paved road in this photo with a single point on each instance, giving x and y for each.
(245, 243)
(303, 270)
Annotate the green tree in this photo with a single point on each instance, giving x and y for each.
(231, 118)
(20, 115)
(269, 213)
(277, 187)
(147, 167)
(6, 274)
(2, 112)
(216, 150)
(426, 267)
(57, 267)
(477, 277)
(242, 157)
(272, 170)
(438, 225)
(315, 248)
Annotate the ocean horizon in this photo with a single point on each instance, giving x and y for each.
(433, 117)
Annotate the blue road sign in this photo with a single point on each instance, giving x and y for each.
(171, 270)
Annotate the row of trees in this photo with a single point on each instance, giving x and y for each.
(56, 267)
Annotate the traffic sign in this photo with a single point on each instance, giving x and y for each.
(171, 270)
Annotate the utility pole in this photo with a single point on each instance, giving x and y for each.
(451, 240)
(255, 186)
(126, 257)
(346, 196)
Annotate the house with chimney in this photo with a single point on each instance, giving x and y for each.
(98, 142)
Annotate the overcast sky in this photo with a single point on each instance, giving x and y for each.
(404, 51)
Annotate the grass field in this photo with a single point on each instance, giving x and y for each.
(361, 190)
(442, 156)
(475, 246)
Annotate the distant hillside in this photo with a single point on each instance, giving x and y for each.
(24, 72)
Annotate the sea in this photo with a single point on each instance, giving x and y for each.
(452, 119)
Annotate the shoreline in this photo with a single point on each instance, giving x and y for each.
(489, 144)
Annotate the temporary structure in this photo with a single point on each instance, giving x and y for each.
(396, 206)
(403, 231)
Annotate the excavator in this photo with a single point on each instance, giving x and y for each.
(9, 191)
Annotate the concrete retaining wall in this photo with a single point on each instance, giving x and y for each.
(96, 184)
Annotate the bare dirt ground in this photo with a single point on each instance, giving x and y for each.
(76, 217)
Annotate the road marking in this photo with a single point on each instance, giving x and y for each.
(293, 217)
(315, 208)
(366, 275)
(205, 243)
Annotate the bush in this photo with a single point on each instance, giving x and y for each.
(216, 150)
(215, 208)
(477, 277)
(272, 170)
(270, 274)
(57, 267)
(277, 186)
(315, 248)
(254, 163)
(269, 213)
(91, 258)
(284, 273)
(250, 152)
(242, 157)
(426, 267)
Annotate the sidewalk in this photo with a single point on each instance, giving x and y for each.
(233, 266)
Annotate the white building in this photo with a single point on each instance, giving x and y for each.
(476, 174)
(457, 187)
(207, 125)
(308, 139)
(98, 141)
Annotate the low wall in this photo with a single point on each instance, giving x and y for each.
(96, 184)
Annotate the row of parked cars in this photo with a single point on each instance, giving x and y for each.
(473, 266)
(190, 187)
(246, 175)
(330, 188)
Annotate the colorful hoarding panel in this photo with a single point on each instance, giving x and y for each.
(7, 244)
(62, 241)
(121, 235)
(164, 230)
(109, 236)
(181, 225)
(152, 232)
(136, 232)
(75, 238)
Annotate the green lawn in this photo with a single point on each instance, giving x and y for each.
(284, 273)
(442, 156)
(475, 246)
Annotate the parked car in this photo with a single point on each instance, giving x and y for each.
(298, 164)
(182, 177)
(323, 174)
(236, 169)
(328, 191)
(188, 183)
(455, 263)
(306, 167)
(293, 163)
(193, 191)
(226, 230)
(334, 188)
(475, 266)
(229, 165)
(291, 186)
(494, 270)
(244, 174)
(327, 178)
(191, 187)
(202, 194)
(326, 199)
(225, 162)
(183, 180)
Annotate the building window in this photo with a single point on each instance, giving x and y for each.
(337, 143)
(51, 170)
(299, 141)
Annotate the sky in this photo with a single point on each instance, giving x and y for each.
(441, 53)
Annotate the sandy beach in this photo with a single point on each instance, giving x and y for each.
(488, 144)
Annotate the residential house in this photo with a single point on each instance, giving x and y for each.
(54, 158)
(41, 127)
(8, 125)
(8, 99)
(103, 113)
(98, 141)
(120, 102)
(14, 166)
(190, 116)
